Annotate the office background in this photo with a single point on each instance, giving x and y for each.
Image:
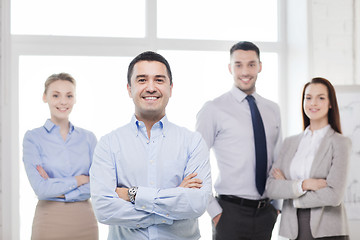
(298, 40)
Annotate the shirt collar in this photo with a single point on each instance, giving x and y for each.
(136, 125)
(320, 132)
(240, 95)
(49, 126)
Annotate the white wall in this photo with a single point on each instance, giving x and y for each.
(9, 213)
(333, 43)
(1, 68)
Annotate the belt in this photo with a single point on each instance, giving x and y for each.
(245, 202)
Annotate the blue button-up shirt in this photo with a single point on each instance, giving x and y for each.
(62, 161)
(127, 157)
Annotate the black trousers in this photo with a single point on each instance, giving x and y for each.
(244, 223)
(304, 227)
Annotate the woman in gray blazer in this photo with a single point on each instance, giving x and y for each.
(311, 170)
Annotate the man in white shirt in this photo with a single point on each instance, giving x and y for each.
(241, 209)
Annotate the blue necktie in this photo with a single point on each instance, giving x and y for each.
(260, 145)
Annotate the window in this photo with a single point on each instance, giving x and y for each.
(95, 41)
(106, 18)
(218, 20)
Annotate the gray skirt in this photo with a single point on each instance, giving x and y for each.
(61, 220)
(304, 227)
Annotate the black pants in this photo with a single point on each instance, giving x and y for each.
(244, 223)
(304, 228)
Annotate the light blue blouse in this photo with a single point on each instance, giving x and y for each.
(62, 161)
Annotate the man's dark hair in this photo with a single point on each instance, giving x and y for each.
(148, 56)
(246, 46)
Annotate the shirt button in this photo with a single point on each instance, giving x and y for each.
(152, 183)
(167, 215)
(163, 221)
(143, 207)
(138, 225)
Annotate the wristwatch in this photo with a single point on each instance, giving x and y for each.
(132, 193)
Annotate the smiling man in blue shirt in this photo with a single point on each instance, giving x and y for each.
(150, 179)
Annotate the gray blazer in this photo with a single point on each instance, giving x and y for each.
(328, 216)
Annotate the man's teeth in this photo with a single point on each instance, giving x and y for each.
(150, 98)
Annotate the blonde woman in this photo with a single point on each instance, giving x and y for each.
(57, 157)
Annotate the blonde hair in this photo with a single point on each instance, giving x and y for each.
(58, 76)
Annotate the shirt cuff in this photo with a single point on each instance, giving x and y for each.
(144, 199)
(213, 207)
(300, 189)
(79, 194)
(296, 203)
(71, 183)
(297, 188)
(69, 197)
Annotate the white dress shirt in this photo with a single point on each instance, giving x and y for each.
(225, 124)
(305, 154)
(302, 161)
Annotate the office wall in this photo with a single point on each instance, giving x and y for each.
(0, 114)
(7, 213)
(323, 39)
(333, 32)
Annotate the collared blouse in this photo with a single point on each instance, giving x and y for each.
(62, 161)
